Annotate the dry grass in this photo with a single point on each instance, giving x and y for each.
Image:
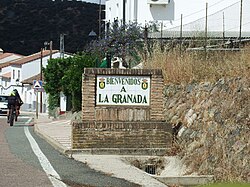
(194, 67)
(216, 156)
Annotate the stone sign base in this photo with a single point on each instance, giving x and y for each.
(130, 136)
(110, 124)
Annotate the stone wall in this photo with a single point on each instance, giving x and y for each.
(212, 123)
(121, 127)
(121, 135)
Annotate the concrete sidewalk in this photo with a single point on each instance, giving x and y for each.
(57, 132)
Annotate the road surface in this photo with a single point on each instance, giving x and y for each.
(27, 160)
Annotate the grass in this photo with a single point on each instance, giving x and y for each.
(227, 185)
(194, 67)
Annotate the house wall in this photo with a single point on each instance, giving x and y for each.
(193, 10)
(16, 73)
(26, 91)
(28, 95)
(6, 82)
(33, 68)
(6, 69)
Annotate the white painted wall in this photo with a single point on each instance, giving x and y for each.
(26, 92)
(6, 69)
(192, 10)
(6, 83)
(33, 68)
(63, 102)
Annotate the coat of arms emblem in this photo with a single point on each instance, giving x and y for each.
(144, 84)
(101, 83)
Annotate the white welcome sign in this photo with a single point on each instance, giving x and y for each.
(123, 90)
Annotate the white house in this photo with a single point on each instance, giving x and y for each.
(7, 57)
(223, 15)
(5, 74)
(20, 73)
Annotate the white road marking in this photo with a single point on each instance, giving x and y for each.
(47, 167)
(21, 117)
(27, 122)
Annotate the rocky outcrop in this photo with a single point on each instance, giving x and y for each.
(212, 126)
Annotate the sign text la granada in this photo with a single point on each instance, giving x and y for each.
(123, 90)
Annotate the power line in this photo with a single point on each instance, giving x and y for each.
(203, 9)
(202, 18)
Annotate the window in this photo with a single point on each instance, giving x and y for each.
(18, 74)
(13, 74)
(117, 10)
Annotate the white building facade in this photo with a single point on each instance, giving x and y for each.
(20, 73)
(223, 15)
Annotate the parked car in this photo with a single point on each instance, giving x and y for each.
(3, 104)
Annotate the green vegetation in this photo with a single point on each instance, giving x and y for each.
(192, 67)
(217, 149)
(65, 75)
(123, 40)
(227, 185)
(25, 25)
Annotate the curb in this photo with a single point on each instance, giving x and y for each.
(51, 141)
(121, 151)
(186, 180)
(173, 180)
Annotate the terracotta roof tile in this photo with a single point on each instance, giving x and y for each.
(3, 65)
(32, 57)
(5, 55)
(7, 75)
(31, 79)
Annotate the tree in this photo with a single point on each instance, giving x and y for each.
(72, 79)
(65, 75)
(53, 74)
(122, 40)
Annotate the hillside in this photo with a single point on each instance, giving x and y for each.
(213, 125)
(207, 101)
(26, 24)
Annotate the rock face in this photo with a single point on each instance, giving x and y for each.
(212, 126)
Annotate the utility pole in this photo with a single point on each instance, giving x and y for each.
(181, 36)
(240, 22)
(50, 50)
(205, 46)
(61, 45)
(41, 78)
(107, 29)
(124, 12)
(100, 17)
(162, 36)
(145, 41)
(223, 34)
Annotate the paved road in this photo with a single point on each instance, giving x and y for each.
(14, 171)
(27, 160)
